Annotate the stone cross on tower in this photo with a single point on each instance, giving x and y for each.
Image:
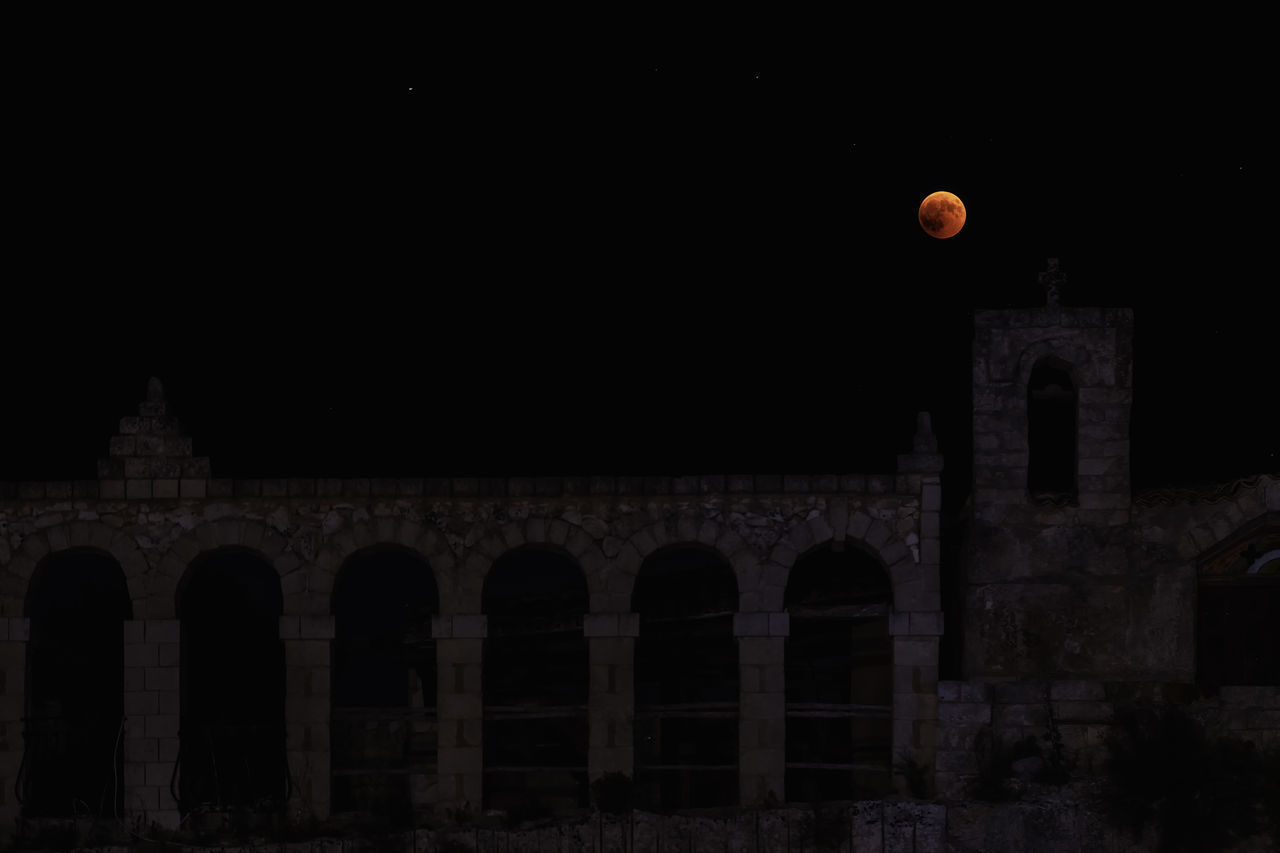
(1050, 279)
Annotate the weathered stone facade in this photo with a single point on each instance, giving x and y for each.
(1079, 597)
(156, 511)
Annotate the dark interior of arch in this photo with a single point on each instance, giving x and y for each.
(232, 684)
(383, 729)
(1051, 431)
(535, 683)
(77, 603)
(1237, 601)
(839, 676)
(1238, 634)
(686, 676)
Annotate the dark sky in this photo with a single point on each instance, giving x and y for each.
(653, 270)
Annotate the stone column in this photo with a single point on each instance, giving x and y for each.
(915, 689)
(151, 706)
(762, 705)
(611, 638)
(307, 707)
(13, 679)
(916, 627)
(460, 708)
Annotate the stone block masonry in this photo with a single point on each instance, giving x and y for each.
(151, 683)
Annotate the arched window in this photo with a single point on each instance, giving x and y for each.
(535, 684)
(73, 762)
(686, 675)
(1051, 431)
(1238, 610)
(839, 671)
(231, 726)
(383, 730)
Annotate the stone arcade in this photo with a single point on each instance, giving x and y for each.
(175, 644)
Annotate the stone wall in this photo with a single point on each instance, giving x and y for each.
(306, 529)
(976, 719)
(1100, 584)
(1069, 823)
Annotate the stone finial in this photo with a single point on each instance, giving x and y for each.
(152, 446)
(1050, 280)
(925, 441)
(924, 457)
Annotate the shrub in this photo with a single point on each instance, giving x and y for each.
(1201, 793)
(613, 793)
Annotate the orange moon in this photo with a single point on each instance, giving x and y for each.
(942, 214)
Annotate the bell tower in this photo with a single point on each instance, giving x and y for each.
(1052, 390)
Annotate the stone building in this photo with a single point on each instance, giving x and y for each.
(1079, 596)
(175, 644)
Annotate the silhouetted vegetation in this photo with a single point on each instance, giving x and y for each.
(613, 793)
(916, 777)
(1201, 793)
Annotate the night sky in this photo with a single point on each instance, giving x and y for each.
(647, 271)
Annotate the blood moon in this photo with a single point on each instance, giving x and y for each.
(942, 214)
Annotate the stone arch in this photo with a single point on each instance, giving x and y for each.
(536, 679)
(76, 534)
(1069, 355)
(492, 540)
(1237, 637)
(838, 662)
(1051, 395)
(1224, 520)
(77, 605)
(383, 660)
(872, 535)
(636, 548)
(235, 532)
(428, 542)
(685, 737)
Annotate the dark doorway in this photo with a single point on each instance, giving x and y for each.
(232, 737)
(535, 685)
(686, 727)
(73, 755)
(384, 682)
(839, 671)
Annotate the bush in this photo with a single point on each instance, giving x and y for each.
(613, 793)
(1201, 793)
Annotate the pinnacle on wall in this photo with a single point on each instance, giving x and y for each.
(924, 457)
(151, 446)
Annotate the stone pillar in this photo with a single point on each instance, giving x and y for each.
(916, 627)
(13, 679)
(762, 705)
(611, 638)
(307, 706)
(915, 690)
(460, 708)
(151, 653)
